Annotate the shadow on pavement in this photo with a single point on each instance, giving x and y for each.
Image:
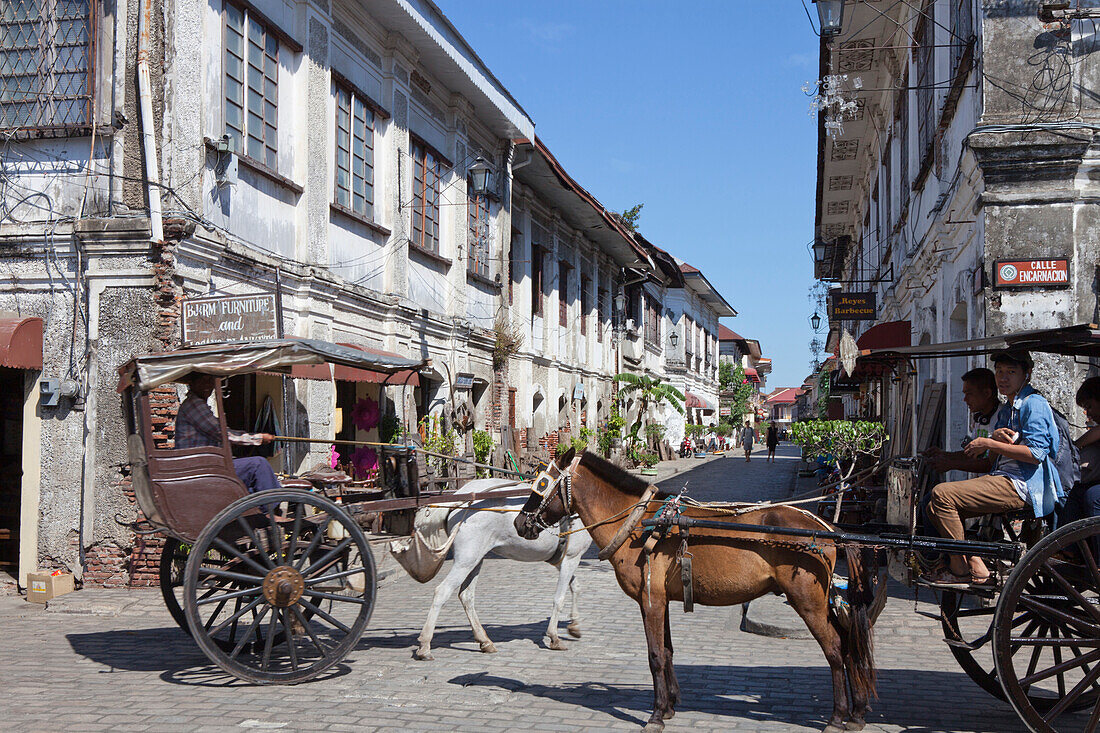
(167, 650)
(449, 637)
(767, 697)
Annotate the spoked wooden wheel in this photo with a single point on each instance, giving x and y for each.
(300, 593)
(967, 628)
(173, 560)
(1046, 632)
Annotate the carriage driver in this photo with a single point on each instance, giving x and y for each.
(196, 426)
(1023, 446)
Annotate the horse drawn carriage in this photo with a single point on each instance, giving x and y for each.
(276, 586)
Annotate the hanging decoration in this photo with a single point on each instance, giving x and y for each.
(364, 463)
(834, 99)
(365, 414)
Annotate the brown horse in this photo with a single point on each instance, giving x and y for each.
(729, 567)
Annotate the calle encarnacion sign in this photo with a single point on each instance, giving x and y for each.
(1052, 273)
(852, 307)
(229, 318)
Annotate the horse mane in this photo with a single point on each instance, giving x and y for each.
(626, 482)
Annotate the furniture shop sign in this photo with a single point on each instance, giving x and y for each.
(1031, 273)
(852, 307)
(229, 318)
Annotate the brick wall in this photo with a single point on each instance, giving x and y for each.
(137, 565)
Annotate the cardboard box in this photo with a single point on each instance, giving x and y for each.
(41, 587)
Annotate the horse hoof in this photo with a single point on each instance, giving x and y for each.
(488, 647)
(574, 630)
(423, 655)
(668, 715)
(556, 645)
(855, 724)
(654, 726)
(833, 728)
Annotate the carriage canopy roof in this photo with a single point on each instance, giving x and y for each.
(1082, 340)
(277, 355)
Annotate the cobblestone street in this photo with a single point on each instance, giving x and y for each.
(135, 670)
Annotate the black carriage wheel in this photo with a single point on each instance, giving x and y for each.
(173, 559)
(298, 596)
(1046, 632)
(969, 623)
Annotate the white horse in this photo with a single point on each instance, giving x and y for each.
(482, 532)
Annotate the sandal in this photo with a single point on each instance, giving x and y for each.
(982, 582)
(944, 578)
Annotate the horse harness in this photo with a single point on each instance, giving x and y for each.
(545, 486)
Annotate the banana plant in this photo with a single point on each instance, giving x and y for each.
(649, 392)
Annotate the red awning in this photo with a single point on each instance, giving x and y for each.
(752, 375)
(21, 343)
(889, 335)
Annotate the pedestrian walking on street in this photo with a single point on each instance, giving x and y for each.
(748, 437)
(772, 440)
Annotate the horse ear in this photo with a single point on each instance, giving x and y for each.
(567, 458)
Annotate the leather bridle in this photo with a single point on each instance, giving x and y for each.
(547, 486)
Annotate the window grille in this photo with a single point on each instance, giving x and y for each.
(425, 208)
(251, 86)
(563, 293)
(925, 57)
(888, 186)
(601, 301)
(354, 153)
(477, 214)
(903, 144)
(652, 323)
(584, 306)
(962, 29)
(46, 63)
(536, 275)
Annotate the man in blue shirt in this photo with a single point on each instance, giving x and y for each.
(1023, 446)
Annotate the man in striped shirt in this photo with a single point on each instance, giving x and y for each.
(196, 427)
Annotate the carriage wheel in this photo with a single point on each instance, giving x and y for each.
(967, 627)
(173, 559)
(296, 600)
(1046, 632)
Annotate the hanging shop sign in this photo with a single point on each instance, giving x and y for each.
(229, 318)
(464, 381)
(852, 307)
(724, 412)
(1031, 273)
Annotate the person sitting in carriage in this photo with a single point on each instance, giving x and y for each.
(196, 427)
(1023, 446)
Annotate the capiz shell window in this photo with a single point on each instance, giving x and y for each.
(425, 208)
(354, 153)
(251, 86)
(46, 64)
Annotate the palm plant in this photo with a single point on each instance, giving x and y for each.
(648, 391)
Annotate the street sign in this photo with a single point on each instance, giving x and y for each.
(723, 412)
(229, 318)
(852, 306)
(1031, 273)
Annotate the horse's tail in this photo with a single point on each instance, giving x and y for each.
(859, 641)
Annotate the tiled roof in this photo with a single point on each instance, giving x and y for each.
(784, 395)
(726, 334)
(685, 267)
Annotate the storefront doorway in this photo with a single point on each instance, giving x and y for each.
(12, 390)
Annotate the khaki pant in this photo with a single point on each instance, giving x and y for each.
(954, 501)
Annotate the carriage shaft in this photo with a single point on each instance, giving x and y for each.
(995, 550)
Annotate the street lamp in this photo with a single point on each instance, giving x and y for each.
(674, 338)
(831, 15)
(815, 321)
(480, 177)
(820, 249)
(620, 302)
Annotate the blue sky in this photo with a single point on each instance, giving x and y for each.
(697, 111)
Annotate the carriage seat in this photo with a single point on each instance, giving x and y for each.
(291, 482)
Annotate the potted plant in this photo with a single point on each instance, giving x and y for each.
(649, 463)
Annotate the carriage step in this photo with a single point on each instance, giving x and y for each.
(959, 644)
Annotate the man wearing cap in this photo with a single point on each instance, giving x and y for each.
(1023, 446)
(196, 426)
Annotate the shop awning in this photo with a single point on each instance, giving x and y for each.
(695, 402)
(1082, 340)
(752, 375)
(21, 343)
(888, 335)
(355, 374)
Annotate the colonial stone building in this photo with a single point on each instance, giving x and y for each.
(162, 151)
(957, 150)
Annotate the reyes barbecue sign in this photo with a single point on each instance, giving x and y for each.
(852, 306)
(229, 318)
(1031, 273)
